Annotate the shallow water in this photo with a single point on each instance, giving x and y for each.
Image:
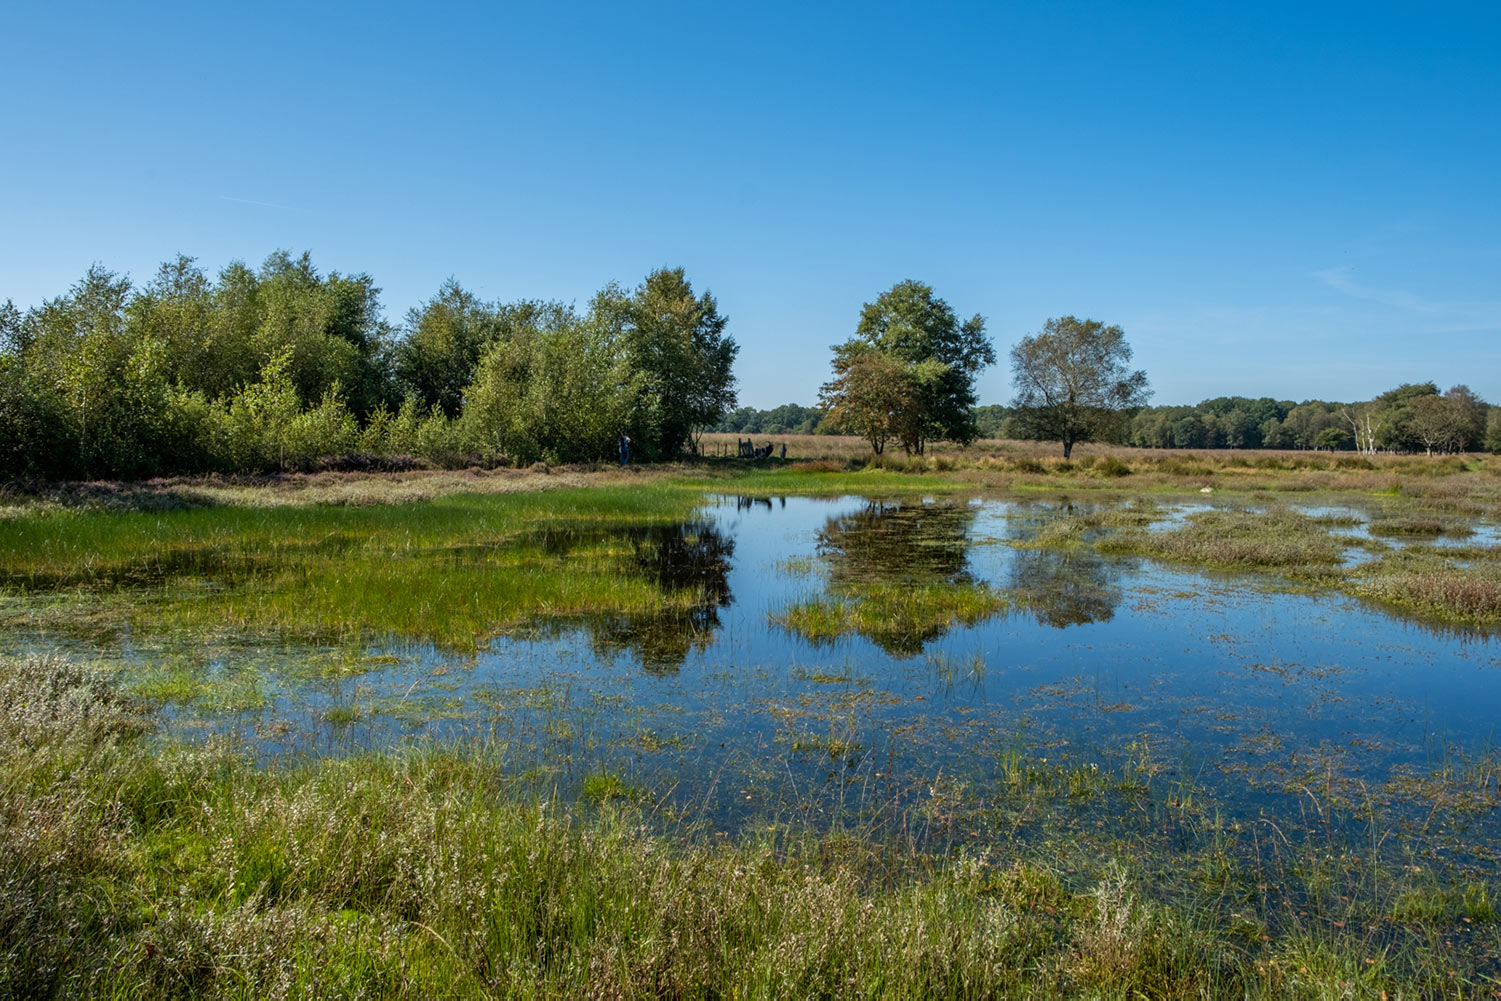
(1114, 700)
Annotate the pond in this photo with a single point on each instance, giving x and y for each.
(915, 669)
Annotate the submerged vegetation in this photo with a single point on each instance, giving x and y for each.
(898, 618)
(192, 873)
(923, 821)
(1463, 586)
(455, 571)
(896, 575)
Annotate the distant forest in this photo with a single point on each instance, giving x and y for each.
(1416, 417)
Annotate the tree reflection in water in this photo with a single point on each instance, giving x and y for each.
(897, 574)
(1067, 587)
(690, 556)
(898, 542)
(1061, 585)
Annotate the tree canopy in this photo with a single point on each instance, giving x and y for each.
(676, 344)
(909, 372)
(1073, 383)
(284, 366)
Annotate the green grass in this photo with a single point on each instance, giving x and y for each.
(456, 570)
(133, 870)
(898, 617)
(1277, 538)
(817, 481)
(182, 682)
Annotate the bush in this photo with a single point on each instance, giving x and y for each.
(1111, 466)
(1027, 464)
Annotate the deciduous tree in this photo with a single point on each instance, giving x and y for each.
(869, 389)
(679, 352)
(1073, 382)
(912, 355)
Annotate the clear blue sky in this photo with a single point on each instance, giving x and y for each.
(1296, 200)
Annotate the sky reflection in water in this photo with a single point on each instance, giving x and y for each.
(1182, 686)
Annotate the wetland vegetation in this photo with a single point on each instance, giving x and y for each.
(966, 724)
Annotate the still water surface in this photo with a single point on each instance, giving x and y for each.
(1113, 698)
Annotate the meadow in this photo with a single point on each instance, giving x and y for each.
(704, 730)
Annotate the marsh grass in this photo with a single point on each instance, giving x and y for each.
(1418, 523)
(1458, 585)
(1436, 588)
(138, 870)
(455, 571)
(896, 616)
(1274, 538)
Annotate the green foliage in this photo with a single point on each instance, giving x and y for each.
(561, 393)
(789, 418)
(449, 335)
(34, 439)
(909, 372)
(678, 355)
(331, 326)
(870, 393)
(276, 368)
(991, 420)
(1073, 384)
(1332, 439)
(258, 421)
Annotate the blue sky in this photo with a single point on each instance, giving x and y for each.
(1296, 200)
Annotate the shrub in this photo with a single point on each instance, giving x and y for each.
(1111, 466)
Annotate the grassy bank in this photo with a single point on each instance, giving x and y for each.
(1459, 585)
(455, 570)
(1441, 486)
(133, 871)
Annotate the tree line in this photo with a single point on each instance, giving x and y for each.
(278, 367)
(1454, 421)
(1413, 417)
(283, 367)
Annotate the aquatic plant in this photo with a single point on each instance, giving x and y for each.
(136, 870)
(456, 570)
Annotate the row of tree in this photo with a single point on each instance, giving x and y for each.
(789, 418)
(278, 367)
(1413, 417)
(273, 368)
(1410, 418)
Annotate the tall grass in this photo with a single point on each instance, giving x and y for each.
(1431, 583)
(1275, 538)
(138, 871)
